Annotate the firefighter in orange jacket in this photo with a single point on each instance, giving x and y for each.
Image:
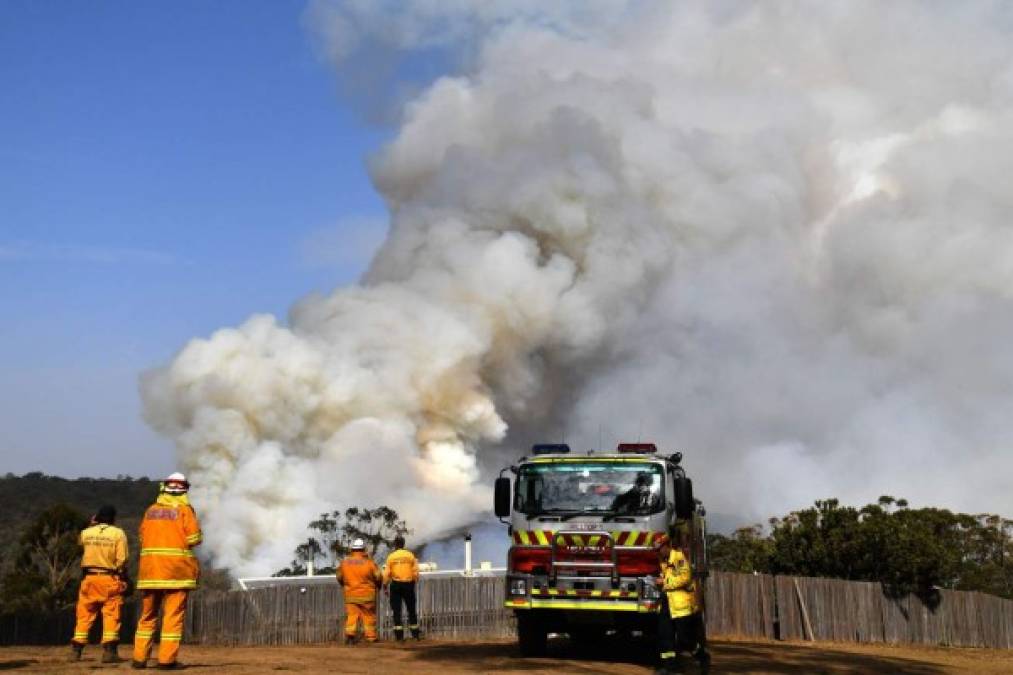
(400, 574)
(168, 571)
(104, 567)
(359, 578)
(680, 622)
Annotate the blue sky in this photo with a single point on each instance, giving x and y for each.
(166, 169)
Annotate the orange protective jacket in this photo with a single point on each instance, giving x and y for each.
(359, 577)
(401, 565)
(168, 533)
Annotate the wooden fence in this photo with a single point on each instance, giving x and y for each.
(740, 605)
(857, 611)
(449, 607)
(36, 628)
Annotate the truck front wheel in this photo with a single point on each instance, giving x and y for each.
(531, 634)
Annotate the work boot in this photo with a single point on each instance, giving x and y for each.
(669, 667)
(704, 659)
(399, 634)
(175, 665)
(110, 655)
(75, 651)
(138, 665)
(350, 640)
(416, 635)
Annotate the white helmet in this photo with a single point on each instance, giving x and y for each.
(358, 545)
(176, 484)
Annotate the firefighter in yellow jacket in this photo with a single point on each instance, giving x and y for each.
(400, 574)
(359, 578)
(680, 622)
(168, 571)
(103, 583)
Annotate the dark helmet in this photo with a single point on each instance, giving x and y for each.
(106, 514)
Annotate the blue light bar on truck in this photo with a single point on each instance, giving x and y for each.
(550, 449)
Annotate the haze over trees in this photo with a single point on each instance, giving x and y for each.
(22, 498)
(335, 531)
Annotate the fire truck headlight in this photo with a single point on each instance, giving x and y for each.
(518, 587)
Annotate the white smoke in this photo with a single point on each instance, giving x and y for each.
(777, 236)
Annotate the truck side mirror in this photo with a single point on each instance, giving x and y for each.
(684, 504)
(502, 497)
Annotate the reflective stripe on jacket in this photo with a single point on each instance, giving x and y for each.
(679, 585)
(168, 532)
(359, 577)
(401, 565)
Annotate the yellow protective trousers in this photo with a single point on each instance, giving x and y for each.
(172, 603)
(366, 612)
(99, 592)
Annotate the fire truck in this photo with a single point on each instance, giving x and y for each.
(584, 528)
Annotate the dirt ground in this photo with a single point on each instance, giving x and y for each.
(501, 657)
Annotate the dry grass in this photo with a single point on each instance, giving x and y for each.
(730, 656)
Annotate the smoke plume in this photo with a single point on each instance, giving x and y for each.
(776, 236)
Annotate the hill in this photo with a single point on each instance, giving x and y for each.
(22, 498)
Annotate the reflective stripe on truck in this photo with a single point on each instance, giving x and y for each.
(620, 537)
(597, 605)
(578, 593)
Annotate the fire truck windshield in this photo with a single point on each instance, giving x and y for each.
(619, 488)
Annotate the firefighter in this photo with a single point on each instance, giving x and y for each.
(641, 499)
(680, 621)
(360, 578)
(103, 583)
(168, 571)
(400, 574)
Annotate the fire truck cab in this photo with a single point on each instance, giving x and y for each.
(584, 527)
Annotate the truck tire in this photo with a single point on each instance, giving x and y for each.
(531, 635)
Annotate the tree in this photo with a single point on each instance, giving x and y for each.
(747, 550)
(377, 527)
(919, 550)
(818, 541)
(335, 531)
(46, 562)
(987, 548)
(23, 498)
(907, 550)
